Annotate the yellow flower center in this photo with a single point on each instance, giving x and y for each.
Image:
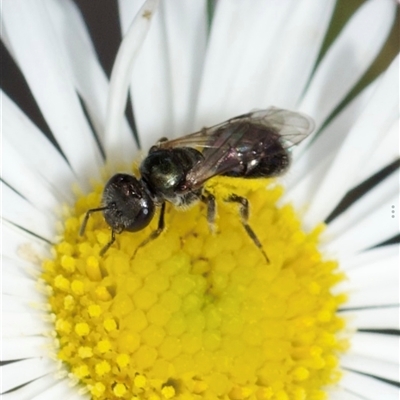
(195, 315)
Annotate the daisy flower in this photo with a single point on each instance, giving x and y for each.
(193, 315)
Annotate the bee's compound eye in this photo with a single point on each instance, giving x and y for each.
(143, 217)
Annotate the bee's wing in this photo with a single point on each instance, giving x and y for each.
(199, 140)
(221, 143)
(292, 126)
(221, 156)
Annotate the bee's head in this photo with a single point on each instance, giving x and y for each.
(127, 204)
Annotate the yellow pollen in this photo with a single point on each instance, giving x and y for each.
(102, 293)
(119, 389)
(61, 283)
(92, 269)
(85, 352)
(102, 368)
(110, 324)
(168, 392)
(77, 287)
(94, 310)
(82, 329)
(195, 315)
(103, 346)
(68, 263)
(81, 371)
(69, 302)
(98, 389)
(122, 360)
(140, 381)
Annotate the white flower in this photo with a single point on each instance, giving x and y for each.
(256, 54)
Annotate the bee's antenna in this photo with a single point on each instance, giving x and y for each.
(87, 215)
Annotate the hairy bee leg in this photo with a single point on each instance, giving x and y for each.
(157, 232)
(244, 216)
(209, 200)
(87, 215)
(108, 245)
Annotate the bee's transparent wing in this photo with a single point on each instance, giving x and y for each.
(221, 157)
(293, 126)
(199, 140)
(221, 143)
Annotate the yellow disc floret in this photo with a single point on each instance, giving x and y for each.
(194, 314)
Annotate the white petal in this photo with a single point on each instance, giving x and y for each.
(374, 275)
(39, 155)
(22, 287)
(342, 394)
(301, 192)
(363, 207)
(21, 245)
(25, 347)
(294, 53)
(20, 372)
(371, 278)
(117, 148)
(20, 212)
(376, 297)
(385, 152)
(150, 85)
(20, 268)
(18, 175)
(23, 324)
(15, 304)
(186, 29)
(380, 113)
(77, 395)
(87, 74)
(309, 156)
(375, 345)
(382, 369)
(375, 228)
(348, 58)
(374, 318)
(30, 37)
(61, 390)
(371, 262)
(368, 388)
(369, 257)
(235, 70)
(127, 10)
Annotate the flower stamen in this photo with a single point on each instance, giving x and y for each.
(195, 315)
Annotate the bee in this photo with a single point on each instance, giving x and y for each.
(250, 146)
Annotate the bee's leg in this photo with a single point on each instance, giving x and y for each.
(209, 200)
(244, 216)
(157, 232)
(108, 245)
(87, 215)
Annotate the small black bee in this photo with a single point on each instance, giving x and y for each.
(253, 145)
